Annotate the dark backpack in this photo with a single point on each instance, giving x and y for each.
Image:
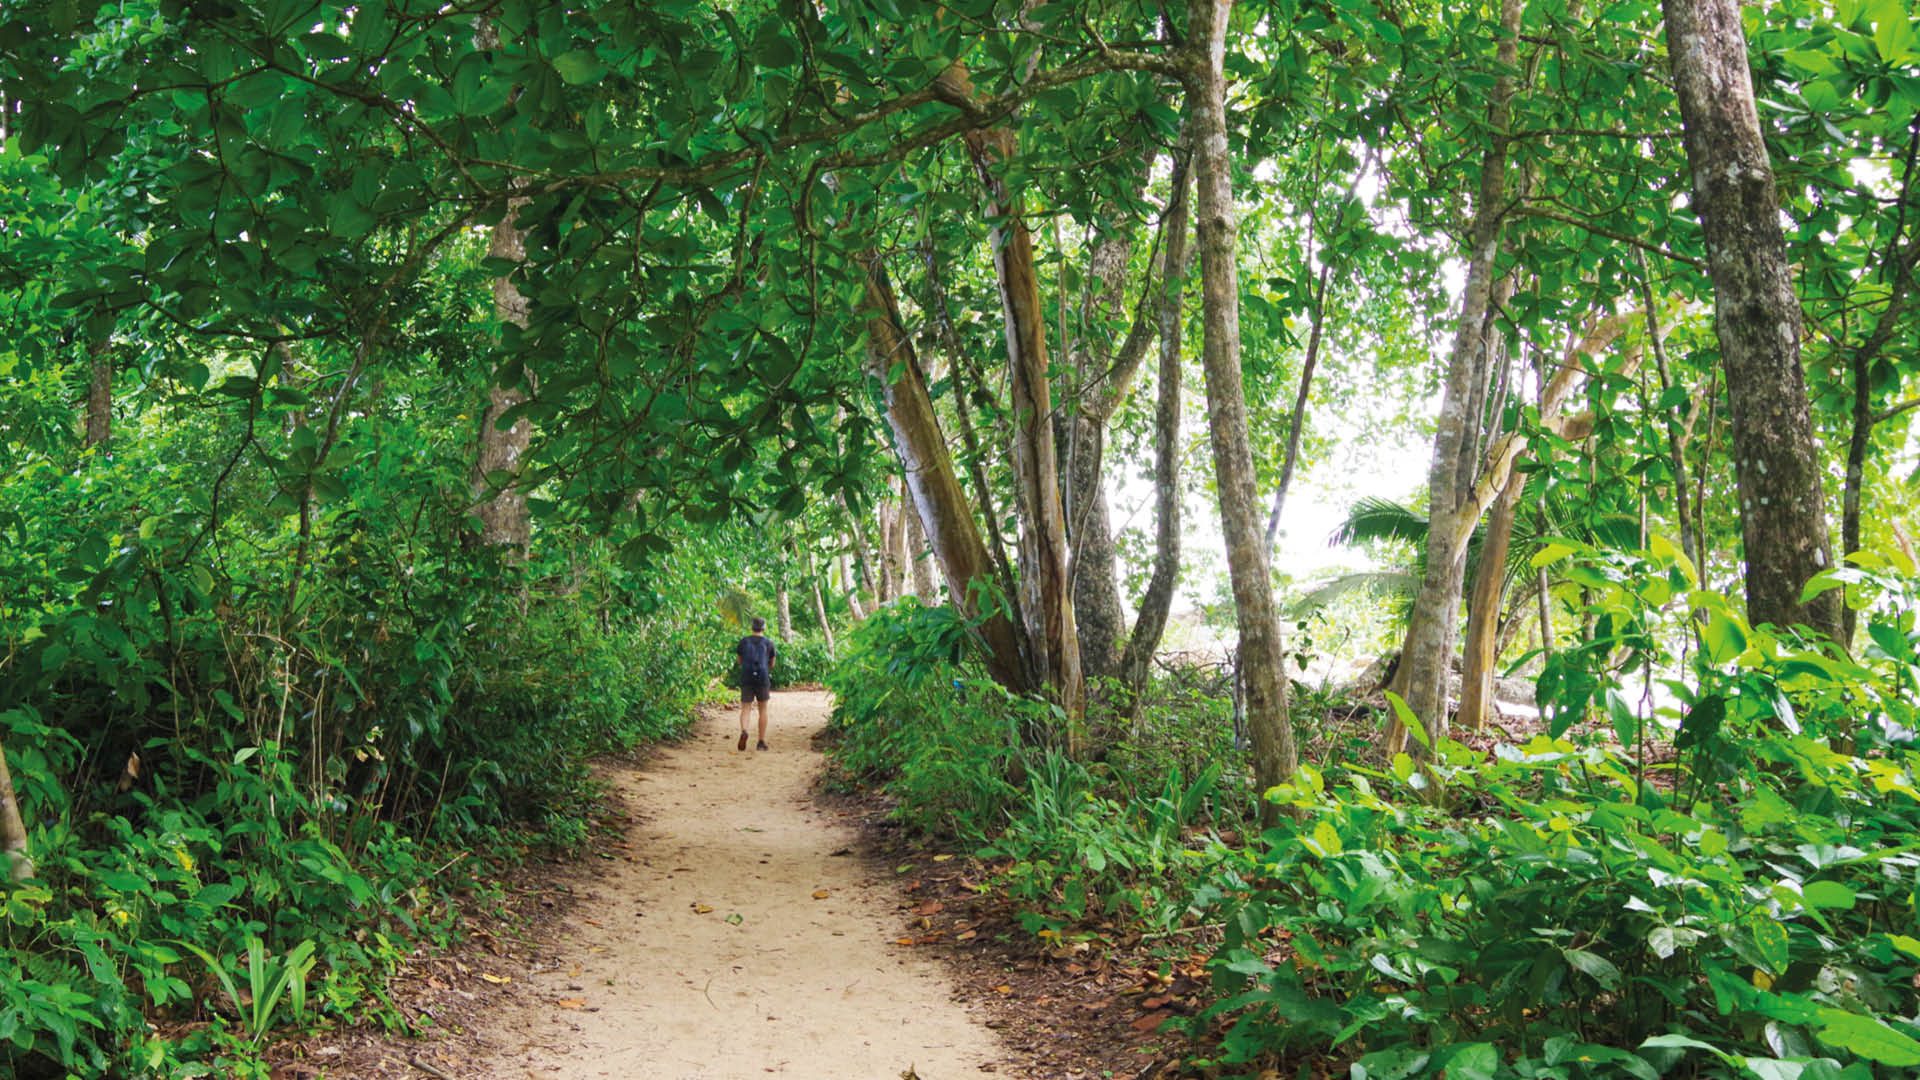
(753, 660)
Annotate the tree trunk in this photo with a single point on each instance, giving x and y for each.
(1421, 678)
(923, 586)
(819, 604)
(1170, 316)
(937, 496)
(1783, 522)
(783, 609)
(1298, 426)
(966, 380)
(851, 590)
(1482, 649)
(1261, 657)
(1045, 582)
(13, 832)
(1103, 378)
(100, 393)
(858, 535)
(500, 506)
(889, 555)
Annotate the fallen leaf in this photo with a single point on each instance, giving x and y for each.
(1003, 988)
(497, 980)
(703, 909)
(821, 894)
(1149, 1021)
(571, 1003)
(736, 918)
(966, 936)
(941, 858)
(931, 907)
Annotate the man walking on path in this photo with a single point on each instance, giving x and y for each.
(756, 653)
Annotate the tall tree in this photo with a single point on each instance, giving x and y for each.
(13, 832)
(928, 467)
(1777, 467)
(1216, 225)
(1045, 577)
(1169, 320)
(500, 506)
(1427, 655)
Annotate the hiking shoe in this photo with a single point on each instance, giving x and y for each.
(761, 745)
(742, 744)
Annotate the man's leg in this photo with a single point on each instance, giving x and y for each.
(763, 723)
(746, 700)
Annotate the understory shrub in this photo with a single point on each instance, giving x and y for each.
(1724, 886)
(254, 784)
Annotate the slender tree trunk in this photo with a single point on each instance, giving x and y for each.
(100, 393)
(13, 832)
(1482, 647)
(888, 554)
(849, 589)
(937, 496)
(500, 506)
(966, 381)
(819, 604)
(1756, 316)
(1421, 678)
(1299, 424)
(1170, 316)
(783, 609)
(1045, 581)
(859, 537)
(923, 586)
(1274, 755)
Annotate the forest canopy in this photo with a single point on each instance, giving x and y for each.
(401, 403)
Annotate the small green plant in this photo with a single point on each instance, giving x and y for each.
(268, 980)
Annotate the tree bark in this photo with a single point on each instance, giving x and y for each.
(923, 586)
(13, 832)
(1299, 423)
(1150, 624)
(783, 609)
(1274, 756)
(500, 506)
(99, 393)
(1421, 679)
(1103, 379)
(1783, 522)
(819, 604)
(851, 590)
(859, 537)
(1482, 647)
(888, 554)
(937, 497)
(1045, 580)
(967, 380)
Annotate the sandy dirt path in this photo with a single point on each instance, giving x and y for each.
(743, 939)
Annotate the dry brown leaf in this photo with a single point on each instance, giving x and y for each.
(497, 980)
(1003, 988)
(1149, 1021)
(572, 1003)
(821, 894)
(703, 909)
(931, 907)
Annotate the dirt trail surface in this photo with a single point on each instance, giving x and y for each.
(742, 939)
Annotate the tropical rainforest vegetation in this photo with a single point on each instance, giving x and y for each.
(404, 402)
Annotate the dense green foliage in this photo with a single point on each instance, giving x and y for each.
(1704, 887)
(296, 298)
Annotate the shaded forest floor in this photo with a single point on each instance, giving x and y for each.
(727, 919)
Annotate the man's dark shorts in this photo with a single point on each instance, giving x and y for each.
(750, 691)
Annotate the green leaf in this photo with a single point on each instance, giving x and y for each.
(1411, 722)
(1827, 894)
(579, 67)
(1725, 639)
(1601, 969)
(1868, 1037)
(1770, 938)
